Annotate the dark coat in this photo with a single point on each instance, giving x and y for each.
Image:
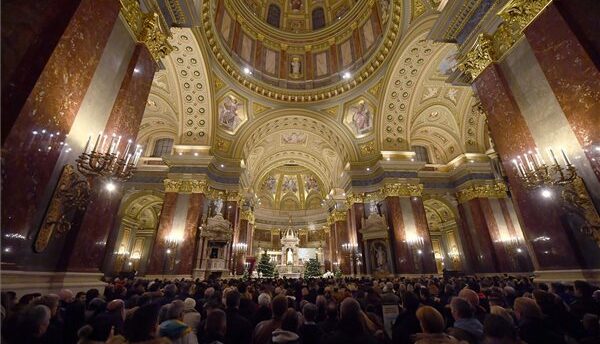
(239, 329)
(310, 333)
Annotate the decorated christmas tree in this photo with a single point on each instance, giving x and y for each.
(265, 267)
(312, 268)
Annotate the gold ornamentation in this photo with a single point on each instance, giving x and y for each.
(418, 8)
(146, 28)
(517, 15)
(247, 215)
(222, 144)
(497, 190)
(375, 90)
(355, 198)
(576, 199)
(478, 58)
(186, 186)
(402, 190)
(337, 216)
(219, 84)
(367, 148)
(70, 196)
(332, 110)
(258, 108)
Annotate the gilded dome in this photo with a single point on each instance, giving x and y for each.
(289, 49)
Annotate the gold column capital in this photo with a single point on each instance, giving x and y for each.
(186, 186)
(247, 215)
(402, 190)
(147, 29)
(337, 216)
(517, 15)
(497, 190)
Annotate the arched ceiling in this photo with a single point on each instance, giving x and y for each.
(290, 187)
(438, 214)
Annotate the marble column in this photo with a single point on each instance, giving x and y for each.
(572, 75)
(357, 216)
(58, 95)
(188, 248)
(124, 119)
(245, 229)
(327, 250)
(157, 261)
(231, 214)
(555, 243)
(411, 244)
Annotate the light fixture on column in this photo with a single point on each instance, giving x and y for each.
(172, 242)
(105, 159)
(240, 247)
(354, 255)
(534, 172)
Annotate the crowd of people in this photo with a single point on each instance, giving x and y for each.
(428, 310)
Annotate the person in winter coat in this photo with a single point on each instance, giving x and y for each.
(141, 328)
(174, 328)
(288, 332)
(432, 324)
(466, 327)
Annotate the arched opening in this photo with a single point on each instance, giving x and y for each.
(421, 154)
(162, 147)
(443, 231)
(274, 15)
(318, 18)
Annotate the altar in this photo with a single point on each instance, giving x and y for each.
(290, 265)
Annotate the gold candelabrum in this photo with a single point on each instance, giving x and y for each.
(534, 172)
(239, 250)
(354, 256)
(104, 160)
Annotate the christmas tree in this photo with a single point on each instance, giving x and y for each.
(312, 268)
(265, 267)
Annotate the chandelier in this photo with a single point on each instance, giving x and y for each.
(105, 160)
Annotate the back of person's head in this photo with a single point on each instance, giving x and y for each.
(591, 325)
(232, 299)
(583, 289)
(410, 301)
(34, 321)
(471, 296)
(503, 312)
(142, 325)
(351, 317)
(290, 321)
(279, 305)
(264, 300)
(216, 323)
(209, 292)
(430, 319)
(331, 310)
(498, 330)
(170, 290)
(175, 310)
(66, 295)
(50, 301)
(309, 311)
(388, 288)
(461, 308)
(527, 308)
(189, 304)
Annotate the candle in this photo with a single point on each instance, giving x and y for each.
(534, 161)
(517, 167)
(97, 141)
(102, 150)
(539, 157)
(127, 147)
(87, 144)
(111, 144)
(126, 162)
(118, 143)
(565, 158)
(522, 169)
(553, 156)
(529, 165)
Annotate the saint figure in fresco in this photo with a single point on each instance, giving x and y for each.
(361, 117)
(296, 5)
(228, 116)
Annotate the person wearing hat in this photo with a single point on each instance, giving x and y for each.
(190, 315)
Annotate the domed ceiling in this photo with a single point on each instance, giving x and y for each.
(290, 188)
(300, 50)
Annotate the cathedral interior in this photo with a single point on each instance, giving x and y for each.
(187, 138)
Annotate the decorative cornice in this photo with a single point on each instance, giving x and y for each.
(402, 190)
(337, 216)
(497, 190)
(247, 215)
(146, 29)
(517, 15)
(186, 186)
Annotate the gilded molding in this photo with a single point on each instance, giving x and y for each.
(497, 190)
(147, 29)
(337, 216)
(402, 190)
(247, 215)
(186, 186)
(517, 15)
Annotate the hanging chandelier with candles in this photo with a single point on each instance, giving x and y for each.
(534, 172)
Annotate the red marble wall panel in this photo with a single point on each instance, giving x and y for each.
(427, 256)
(466, 239)
(403, 260)
(523, 259)
(188, 249)
(342, 236)
(52, 105)
(327, 251)
(157, 258)
(130, 104)
(582, 16)
(572, 75)
(333, 59)
(358, 211)
(31, 30)
(503, 262)
(512, 137)
(85, 247)
(484, 253)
